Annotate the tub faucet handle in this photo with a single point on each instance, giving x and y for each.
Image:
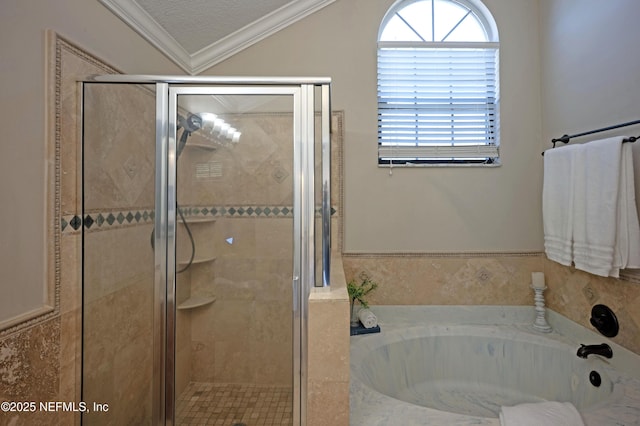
(603, 350)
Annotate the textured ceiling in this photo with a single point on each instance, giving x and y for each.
(195, 24)
(197, 34)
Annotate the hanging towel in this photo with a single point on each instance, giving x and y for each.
(595, 206)
(627, 250)
(606, 232)
(557, 202)
(588, 207)
(548, 413)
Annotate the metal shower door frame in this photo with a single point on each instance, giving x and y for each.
(300, 195)
(303, 92)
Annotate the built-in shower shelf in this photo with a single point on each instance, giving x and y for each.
(197, 260)
(202, 146)
(196, 302)
(198, 220)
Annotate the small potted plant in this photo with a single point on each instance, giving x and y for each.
(358, 291)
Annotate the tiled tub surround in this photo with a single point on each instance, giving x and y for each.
(482, 357)
(497, 279)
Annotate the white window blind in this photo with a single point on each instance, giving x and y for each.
(437, 104)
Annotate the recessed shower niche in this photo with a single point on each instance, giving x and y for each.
(209, 210)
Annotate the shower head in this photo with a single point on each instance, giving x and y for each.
(190, 124)
(214, 128)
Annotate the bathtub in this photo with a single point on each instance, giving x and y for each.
(437, 365)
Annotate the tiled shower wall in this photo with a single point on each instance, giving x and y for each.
(241, 218)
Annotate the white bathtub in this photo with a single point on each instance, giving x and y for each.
(458, 365)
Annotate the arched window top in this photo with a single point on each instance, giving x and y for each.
(438, 84)
(438, 21)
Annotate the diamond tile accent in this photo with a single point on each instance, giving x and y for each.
(103, 220)
(280, 174)
(76, 222)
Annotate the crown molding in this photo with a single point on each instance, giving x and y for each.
(138, 19)
(254, 32)
(194, 63)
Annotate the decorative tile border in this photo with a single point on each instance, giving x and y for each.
(104, 220)
(100, 221)
(238, 211)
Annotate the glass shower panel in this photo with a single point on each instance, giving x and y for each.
(118, 169)
(234, 350)
(322, 190)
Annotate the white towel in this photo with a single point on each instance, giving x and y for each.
(548, 413)
(588, 207)
(595, 205)
(367, 318)
(627, 253)
(557, 202)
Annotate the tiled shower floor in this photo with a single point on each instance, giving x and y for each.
(231, 404)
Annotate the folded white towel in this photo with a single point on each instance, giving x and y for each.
(367, 318)
(557, 202)
(548, 413)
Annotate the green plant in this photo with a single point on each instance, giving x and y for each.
(358, 291)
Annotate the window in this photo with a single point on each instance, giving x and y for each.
(438, 101)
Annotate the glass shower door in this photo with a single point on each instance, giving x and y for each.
(237, 318)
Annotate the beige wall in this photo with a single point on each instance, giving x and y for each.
(434, 209)
(23, 169)
(590, 80)
(589, 69)
(548, 52)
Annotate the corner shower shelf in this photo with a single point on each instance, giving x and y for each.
(208, 146)
(196, 302)
(197, 260)
(198, 220)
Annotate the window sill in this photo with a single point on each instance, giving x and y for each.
(431, 165)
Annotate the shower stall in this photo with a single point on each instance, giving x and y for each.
(206, 215)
